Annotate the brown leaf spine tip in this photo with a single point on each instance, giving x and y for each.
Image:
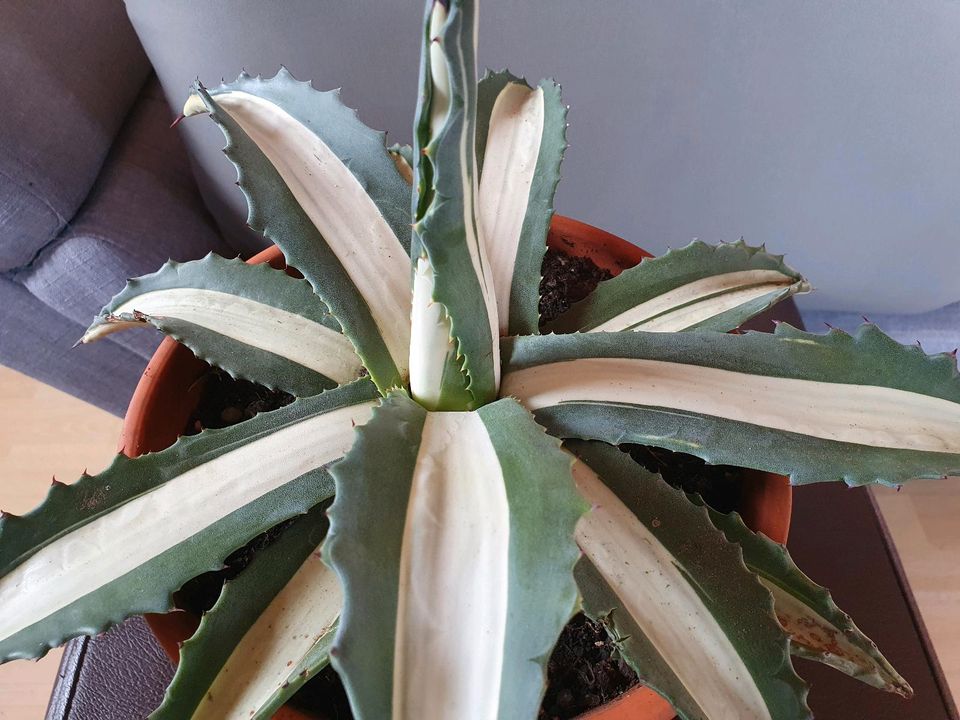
(177, 120)
(866, 320)
(54, 481)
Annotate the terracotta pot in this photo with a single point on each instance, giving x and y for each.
(168, 392)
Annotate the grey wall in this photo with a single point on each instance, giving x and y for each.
(829, 129)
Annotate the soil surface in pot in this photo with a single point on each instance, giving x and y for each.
(566, 279)
(585, 670)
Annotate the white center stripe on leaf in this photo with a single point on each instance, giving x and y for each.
(694, 302)
(689, 315)
(431, 340)
(259, 325)
(476, 241)
(118, 542)
(440, 88)
(513, 146)
(452, 612)
(860, 414)
(654, 590)
(275, 644)
(339, 207)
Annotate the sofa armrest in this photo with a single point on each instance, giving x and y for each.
(71, 71)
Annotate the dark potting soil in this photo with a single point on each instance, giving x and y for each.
(566, 279)
(718, 485)
(585, 670)
(225, 401)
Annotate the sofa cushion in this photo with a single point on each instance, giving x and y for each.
(36, 340)
(143, 210)
(69, 72)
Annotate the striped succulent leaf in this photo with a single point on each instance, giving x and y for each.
(268, 634)
(686, 613)
(255, 322)
(521, 138)
(454, 348)
(324, 188)
(818, 629)
(860, 408)
(453, 536)
(119, 543)
(403, 158)
(707, 287)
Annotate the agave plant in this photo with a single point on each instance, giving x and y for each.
(463, 534)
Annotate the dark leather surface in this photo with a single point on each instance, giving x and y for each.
(120, 675)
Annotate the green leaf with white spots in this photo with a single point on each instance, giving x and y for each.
(707, 287)
(324, 188)
(860, 408)
(255, 322)
(818, 629)
(454, 335)
(268, 634)
(452, 534)
(119, 543)
(521, 138)
(687, 615)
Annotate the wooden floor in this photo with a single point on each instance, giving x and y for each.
(924, 520)
(44, 432)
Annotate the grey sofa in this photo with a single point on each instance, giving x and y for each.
(94, 189)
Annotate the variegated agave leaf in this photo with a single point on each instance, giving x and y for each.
(521, 138)
(268, 634)
(700, 286)
(674, 593)
(818, 629)
(403, 158)
(858, 408)
(255, 322)
(455, 352)
(119, 543)
(453, 536)
(324, 188)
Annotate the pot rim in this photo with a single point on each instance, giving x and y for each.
(766, 506)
